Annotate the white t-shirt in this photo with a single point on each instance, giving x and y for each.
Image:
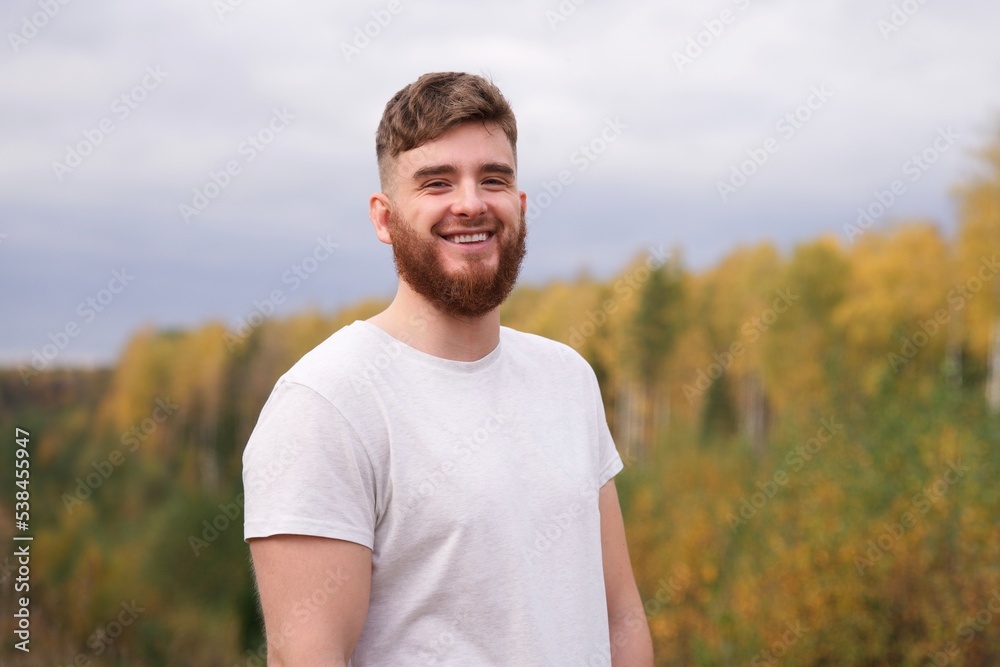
(475, 484)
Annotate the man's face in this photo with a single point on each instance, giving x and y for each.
(457, 220)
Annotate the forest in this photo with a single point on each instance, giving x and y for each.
(811, 438)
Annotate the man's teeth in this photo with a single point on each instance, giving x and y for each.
(470, 238)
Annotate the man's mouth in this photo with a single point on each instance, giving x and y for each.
(461, 239)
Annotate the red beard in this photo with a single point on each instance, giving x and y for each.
(475, 291)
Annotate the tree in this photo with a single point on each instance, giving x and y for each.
(735, 298)
(895, 312)
(654, 327)
(802, 348)
(978, 285)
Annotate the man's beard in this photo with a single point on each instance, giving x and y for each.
(473, 292)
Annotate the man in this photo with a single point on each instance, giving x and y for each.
(427, 487)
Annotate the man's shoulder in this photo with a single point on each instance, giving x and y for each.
(542, 350)
(336, 360)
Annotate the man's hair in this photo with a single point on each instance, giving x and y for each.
(434, 104)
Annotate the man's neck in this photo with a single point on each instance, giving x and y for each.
(411, 319)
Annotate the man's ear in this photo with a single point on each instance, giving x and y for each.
(379, 207)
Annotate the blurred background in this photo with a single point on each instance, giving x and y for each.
(772, 228)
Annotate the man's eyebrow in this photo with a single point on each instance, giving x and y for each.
(498, 168)
(435, 170)
(447, 169)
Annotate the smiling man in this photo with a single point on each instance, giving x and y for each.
(428, 487)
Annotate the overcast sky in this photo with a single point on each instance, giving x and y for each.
(115, 116)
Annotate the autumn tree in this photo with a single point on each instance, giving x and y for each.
(977, 288)
(895, 314)
(654, 326)
(802, 348)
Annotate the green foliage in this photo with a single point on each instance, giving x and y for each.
(658, 318)
(718, 419)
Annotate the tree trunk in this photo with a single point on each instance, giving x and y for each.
(993, 369)
(755, 415)
(953, 350)
(631, 420)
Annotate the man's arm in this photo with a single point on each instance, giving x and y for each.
(631, 644)
(314, 594)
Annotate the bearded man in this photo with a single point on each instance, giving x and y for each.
(427, 486)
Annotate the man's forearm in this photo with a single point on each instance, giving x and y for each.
(631, 643)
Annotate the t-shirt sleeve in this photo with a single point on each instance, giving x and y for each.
(609, 462)
(306, 471)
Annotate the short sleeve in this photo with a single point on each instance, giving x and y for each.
(609, 461)
(306, 471)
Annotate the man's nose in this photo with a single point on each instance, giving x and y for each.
(468, 201)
